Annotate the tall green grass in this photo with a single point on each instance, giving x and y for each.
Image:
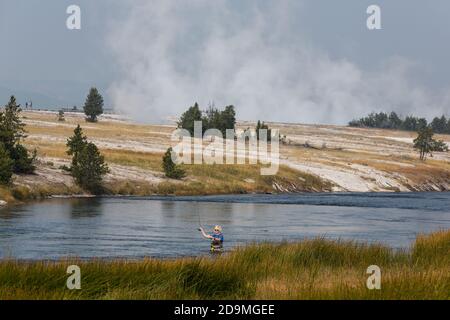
(311, 269)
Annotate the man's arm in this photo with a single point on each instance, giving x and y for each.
(207, 236)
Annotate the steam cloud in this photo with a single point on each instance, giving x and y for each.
(174, 53)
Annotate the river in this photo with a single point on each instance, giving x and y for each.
(167, 226)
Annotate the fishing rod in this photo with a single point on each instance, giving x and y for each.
(198, 216)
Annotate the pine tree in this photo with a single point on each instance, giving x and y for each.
(23, 161)
(228, 119)
(6, 165)
(263, 126)
(93, 107)
(76, 143)
(188, 118)
(11, 127)
(89, 168)
(61, 116)
(11, 133)
(171, 169)
(427, 145)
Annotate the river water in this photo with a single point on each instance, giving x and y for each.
(167, 226)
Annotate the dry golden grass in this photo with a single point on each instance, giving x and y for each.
(311, 269)
(141, 146)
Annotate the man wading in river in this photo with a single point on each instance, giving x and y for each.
(216, 239)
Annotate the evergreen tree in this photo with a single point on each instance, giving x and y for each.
(171, 169)
(188, 118)
(228, 119)
(410, 124)
(61, 116)
(76, 143)
(394, 121)
(422, 123)
(427, 145)
(11, 133)
(439, 125)
(423, 142)
(23, 161)
(89, 168)
(212, 119)
(6, 165)
(11, 127)
(93, 107)
(263, 126)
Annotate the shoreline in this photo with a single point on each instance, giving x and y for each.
(313, 158)
(16, 202)
(308, 269)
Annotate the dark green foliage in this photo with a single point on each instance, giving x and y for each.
(93, 107)
(61, 116)
(228, 117)
(76, 143)
(439, 125)
(392, 121)
(6, 165)
(211, 119)
(427, 145)
(189, 117)
(412, 123)
(88, 165)
(23, 161)
(439, 146)
(89, 168)
(11, 133)
(263, 126)
(11, 127)
(220, 120)
(171, 169)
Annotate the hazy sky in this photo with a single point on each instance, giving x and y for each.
(284, 60)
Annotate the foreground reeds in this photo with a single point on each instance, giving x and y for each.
(311, 269)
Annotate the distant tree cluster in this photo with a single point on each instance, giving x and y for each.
(262, 126)
(410, 123)
(14, 157)
(212, 118)
(390, 121)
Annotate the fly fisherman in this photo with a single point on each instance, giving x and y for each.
(216, 239)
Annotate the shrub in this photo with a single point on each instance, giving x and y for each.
(89, 168)
(23, 161)
(6, 165)
(170, 168)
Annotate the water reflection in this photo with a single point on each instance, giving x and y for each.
(165, 227)
(85, 207)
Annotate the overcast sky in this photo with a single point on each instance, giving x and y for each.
(309, 61)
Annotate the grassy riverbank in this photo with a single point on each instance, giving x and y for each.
(311, 269)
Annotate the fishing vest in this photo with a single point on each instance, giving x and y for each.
(216, 246)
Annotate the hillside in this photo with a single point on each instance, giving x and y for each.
(315, 158)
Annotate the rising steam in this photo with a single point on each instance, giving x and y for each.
(173, 53)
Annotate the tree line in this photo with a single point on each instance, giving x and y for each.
(212, 118)
(87, 165)
(384, 120)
